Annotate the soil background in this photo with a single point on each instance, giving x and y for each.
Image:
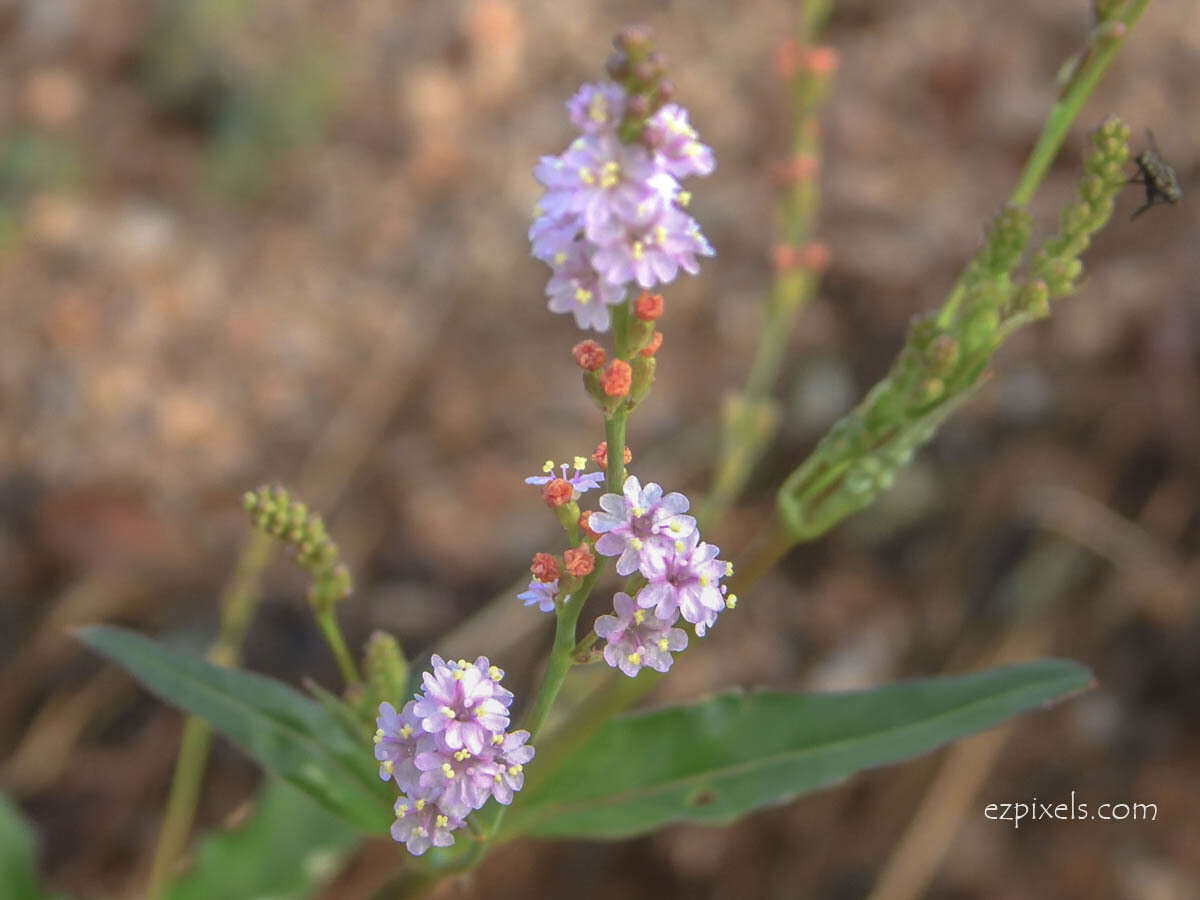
(285, 241)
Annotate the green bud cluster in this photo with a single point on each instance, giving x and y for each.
(275, 511)
(946, 355)
(386, 668)
(1057, 263)
(640, 70)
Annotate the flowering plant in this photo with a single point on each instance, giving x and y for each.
(453, 773)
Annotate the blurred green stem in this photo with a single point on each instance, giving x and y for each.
(750, 417)
(327, 622)
(238, 604)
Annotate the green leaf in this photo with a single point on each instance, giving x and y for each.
(287, 733)
(18, 878)
(288, 848)
(713, 761)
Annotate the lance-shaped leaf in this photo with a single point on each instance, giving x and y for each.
(713, 761)
(287, 733)
(288, 848)
(18, 876)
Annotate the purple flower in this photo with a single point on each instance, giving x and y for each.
(650, 249)
(639, 523)
(636, 639)
(449, 752)
(597, 108)
(396, 742)
(553, 236)
(604, 182)
(576, 287)
(675, 143)
(461, 780)
(463, 703)
(513, 752)
(686, 582)
(421, 824)
(579, 481)
(542, 593)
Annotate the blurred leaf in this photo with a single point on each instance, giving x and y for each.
(713, 761)
(32, 162)
(18, 849)
(287, 733)
(288, 848)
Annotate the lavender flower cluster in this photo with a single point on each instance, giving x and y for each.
(651, 534)
(449, 750)
(613, 212)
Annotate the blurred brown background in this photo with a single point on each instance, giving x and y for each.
(284, 240)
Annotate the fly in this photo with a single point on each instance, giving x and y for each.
(1160, 180)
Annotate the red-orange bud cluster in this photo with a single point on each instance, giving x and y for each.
(617, 378)
(821, 60)
(791, 57)
(600, 455)
(557, 492)
(787, 58)
(655, 342)
(579, 561)
(584, 518)
(648, 306)
(813, 257)
(800, 167)
(589, 355)
(545, 567)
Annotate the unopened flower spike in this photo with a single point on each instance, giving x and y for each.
(275, 511)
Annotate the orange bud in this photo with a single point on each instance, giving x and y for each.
(588, 355)
(545, 567)
(648, 306)
(616, 378)
(557, 492)
(655, 342)
(579, 561)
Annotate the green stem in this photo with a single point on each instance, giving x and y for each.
(614, 435)
(1102, 47)
(561, 655)
(181, 804)
(327, 622)
(238, 603)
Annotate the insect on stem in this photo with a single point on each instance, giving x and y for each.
(1159, 179)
